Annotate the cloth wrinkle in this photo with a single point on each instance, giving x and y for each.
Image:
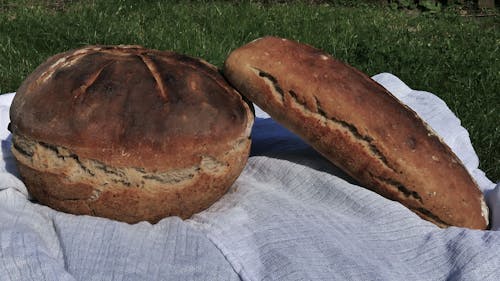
(290, 215)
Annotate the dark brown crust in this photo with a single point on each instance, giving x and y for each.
(133, 103)
(128, 133)
(359, 126)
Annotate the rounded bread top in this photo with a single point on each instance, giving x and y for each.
(128, 106)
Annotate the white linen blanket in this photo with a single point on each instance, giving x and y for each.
(290, 216)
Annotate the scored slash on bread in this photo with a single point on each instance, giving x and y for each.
(359, 126)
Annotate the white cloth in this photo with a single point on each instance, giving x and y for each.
(290, 216)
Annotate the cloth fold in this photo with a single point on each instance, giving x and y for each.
(291, 215)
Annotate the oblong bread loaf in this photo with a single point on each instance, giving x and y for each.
(360, 127)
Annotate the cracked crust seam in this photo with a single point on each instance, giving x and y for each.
(45, 157)
(346, 125)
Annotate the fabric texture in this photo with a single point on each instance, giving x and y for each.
(291, 215)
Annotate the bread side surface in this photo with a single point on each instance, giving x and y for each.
(360, 127)
(59, 178)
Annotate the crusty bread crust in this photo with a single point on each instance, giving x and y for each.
(128, 133)
(360, 127)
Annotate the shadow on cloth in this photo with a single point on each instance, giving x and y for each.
(8, 158)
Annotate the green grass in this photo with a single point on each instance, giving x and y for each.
(455, 57)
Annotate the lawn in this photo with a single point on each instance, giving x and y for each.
(453, 55)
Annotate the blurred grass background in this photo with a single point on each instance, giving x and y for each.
(453, 53)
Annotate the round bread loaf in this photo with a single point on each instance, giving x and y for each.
(359, 126)
(128, 133)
